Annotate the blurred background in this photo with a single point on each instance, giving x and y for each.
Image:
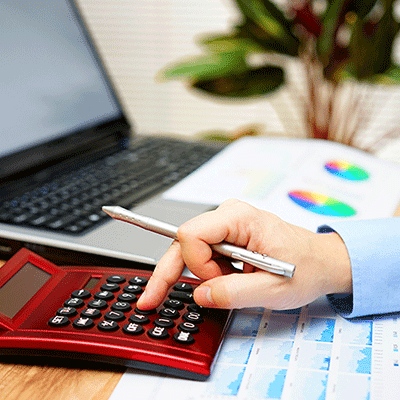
(138, 38)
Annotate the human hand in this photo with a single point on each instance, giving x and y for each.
(322, 262)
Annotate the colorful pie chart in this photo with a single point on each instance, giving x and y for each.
(320, 204)
(346, 170)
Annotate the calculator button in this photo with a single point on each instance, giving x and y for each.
(164, 322)
(158, 332)
(194, 317)
(74, 302)
(111, 287)
(128, 297)
(135, 289)
(139, 319)
(138, 280)
(114, 315)
(67, 311)
(133, 329)
(92, 313)
(121, 306)
(116, 279)
(188, 327)
(183, 287)
(59, 321)
(182, 296)
(145, 312)
(169, 313)
(184, 337)
(108, 326)
(195, 308)
(104, 295)
(97, 303)
(83, 323)
(81, 294)
(176, 304)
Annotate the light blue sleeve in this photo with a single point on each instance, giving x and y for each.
(374, 250)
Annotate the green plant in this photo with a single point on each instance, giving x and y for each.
(337, 42)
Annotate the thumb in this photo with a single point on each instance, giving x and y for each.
(227, 291)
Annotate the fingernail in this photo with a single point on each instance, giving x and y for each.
(203, 293)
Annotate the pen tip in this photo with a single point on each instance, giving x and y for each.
(108, 209)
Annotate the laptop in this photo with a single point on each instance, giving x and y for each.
(67, 148)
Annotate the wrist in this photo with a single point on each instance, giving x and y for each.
(334, 261)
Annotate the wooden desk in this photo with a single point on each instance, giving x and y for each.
(25, 382)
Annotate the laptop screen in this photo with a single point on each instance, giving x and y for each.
(51, 83)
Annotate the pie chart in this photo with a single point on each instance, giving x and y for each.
(320, 204)
(346, 170)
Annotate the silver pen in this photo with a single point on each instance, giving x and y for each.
(258, 260)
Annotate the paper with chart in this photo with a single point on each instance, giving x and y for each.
(304, 354)
(309, 353)
(306, 182)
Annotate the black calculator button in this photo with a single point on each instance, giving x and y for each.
(145, 312)
(59, 321)
(135, 289)
(81, 294)
(138, 280)
(121, 306)
(182, 296)
(116, 279)
(133, 329)
(108, 326)
(188, 327)
(92, 313)
(74, 302)
(194, 317)
(176, 304)
(67, 311)
(110, 287)
(139, 319)
(128, 297)
(158, 332)
(115, 315)
(164, 322)
(97, 303)
(83, 323)
(183, 287)
(169, 313)
(184, 337)
(104, 295)
(195, 308)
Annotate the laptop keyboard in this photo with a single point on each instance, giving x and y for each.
(72, 203)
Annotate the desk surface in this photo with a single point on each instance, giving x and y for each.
(26, 382)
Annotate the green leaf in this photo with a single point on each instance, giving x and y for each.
(330, 22)
(209, 66)
(371, 54)
(362, 8)
(268, 17)
(270, 44)
(232, 43)
(390, 77)
(248, 38)
(252, 83)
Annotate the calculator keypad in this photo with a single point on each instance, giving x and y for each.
(112, 308)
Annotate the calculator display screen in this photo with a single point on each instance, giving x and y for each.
(18, 290)
(92, 283)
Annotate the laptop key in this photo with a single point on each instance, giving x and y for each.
(62, 222)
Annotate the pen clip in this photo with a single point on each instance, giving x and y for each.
(259, 264)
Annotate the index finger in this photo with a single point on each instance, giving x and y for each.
(167, 272)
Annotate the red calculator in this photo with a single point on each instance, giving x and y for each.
(89, 313)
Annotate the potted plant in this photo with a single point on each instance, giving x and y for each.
(343, 47)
